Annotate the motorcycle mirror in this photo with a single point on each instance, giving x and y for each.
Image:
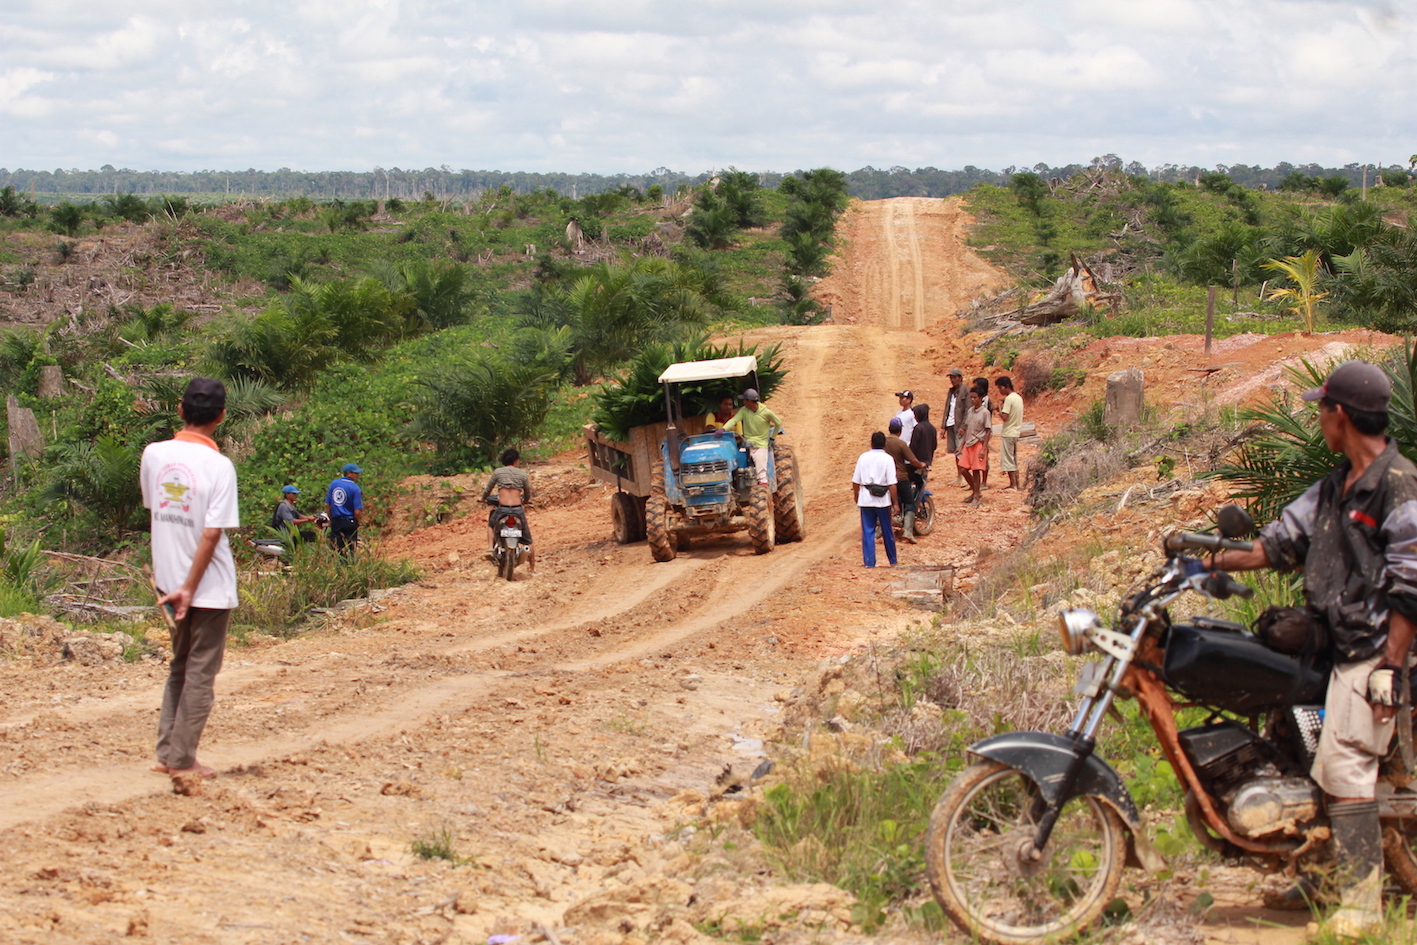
(1234, 522)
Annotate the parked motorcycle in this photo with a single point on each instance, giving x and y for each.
(273, 548)
(1029, 843)
(508, 547)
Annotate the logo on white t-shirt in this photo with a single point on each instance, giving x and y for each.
(176, 488)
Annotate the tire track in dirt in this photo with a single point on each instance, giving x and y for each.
(824, 372)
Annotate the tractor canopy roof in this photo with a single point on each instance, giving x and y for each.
(717, 369)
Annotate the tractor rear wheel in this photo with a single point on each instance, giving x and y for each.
(787, 500)
(662, 541)
(762, 530)
(625, 518)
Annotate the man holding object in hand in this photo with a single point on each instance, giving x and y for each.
(190, 489)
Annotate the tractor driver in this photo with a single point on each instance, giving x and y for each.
(756, 423)
(513, 488)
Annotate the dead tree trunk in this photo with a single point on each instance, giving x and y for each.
(1074, 289)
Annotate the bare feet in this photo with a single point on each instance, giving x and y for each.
(200, 770)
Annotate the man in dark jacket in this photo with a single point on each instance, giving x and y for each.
(1356, 530)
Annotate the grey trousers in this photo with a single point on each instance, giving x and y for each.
(197, 648)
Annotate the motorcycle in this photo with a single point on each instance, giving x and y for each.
(924, 513)
(508, 548)
(1029, 843)
(273, 548)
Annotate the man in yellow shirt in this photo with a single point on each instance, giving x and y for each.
(717, 418)
(756, 423)
(1012, 412)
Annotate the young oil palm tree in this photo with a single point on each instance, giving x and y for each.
(1305, 272)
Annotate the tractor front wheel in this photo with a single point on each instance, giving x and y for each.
(762, 530)
(662, 541)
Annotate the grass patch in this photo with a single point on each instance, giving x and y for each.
(18, 600)
(437, 843)
(280, 603)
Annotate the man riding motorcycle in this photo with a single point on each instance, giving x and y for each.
(513, 488)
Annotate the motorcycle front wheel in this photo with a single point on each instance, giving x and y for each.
(977, 856)
(1400, 853)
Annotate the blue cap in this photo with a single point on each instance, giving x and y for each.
(351, 468)
(290, 490)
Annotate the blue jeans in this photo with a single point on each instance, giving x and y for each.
(870, 519)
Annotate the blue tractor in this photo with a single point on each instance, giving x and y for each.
(705, 483)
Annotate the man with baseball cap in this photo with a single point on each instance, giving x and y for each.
(906, 399)
(189, 488)
(286, 516)
(756, 422)
(1354, 534)
(956, 406)
(344, 500)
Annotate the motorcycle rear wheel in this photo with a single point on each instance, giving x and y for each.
(507, 563)
(975, 854)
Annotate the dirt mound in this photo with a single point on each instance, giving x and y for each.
(43, 640)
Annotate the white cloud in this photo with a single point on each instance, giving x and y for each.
(596, 84)
(14, 83)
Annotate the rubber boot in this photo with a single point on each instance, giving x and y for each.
(908, 529)
(1358, 843)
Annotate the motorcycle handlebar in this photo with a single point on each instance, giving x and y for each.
(1195, 541)
(1220, 585)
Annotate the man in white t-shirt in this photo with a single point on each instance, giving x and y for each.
(906, 399)
(190, 490)
(873, 486)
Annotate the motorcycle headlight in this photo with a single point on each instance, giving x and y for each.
(1074, 624)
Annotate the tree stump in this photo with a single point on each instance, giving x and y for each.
(51, 382)
(25, 439)
(1125, 399)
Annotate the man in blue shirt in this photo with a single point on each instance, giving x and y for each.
(343, 500)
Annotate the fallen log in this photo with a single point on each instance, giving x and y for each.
(1074, 289)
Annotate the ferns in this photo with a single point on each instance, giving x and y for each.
(1288, 453)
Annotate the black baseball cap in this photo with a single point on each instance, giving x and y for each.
(908, 394)
(1355, 384)
(205, 392)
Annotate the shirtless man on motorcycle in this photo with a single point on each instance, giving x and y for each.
(513, 488)
(1354, 533)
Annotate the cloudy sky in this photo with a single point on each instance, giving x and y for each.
(630, 85)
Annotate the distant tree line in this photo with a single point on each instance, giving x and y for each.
(444, 183)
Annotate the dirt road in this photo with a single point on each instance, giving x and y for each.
(539, 727)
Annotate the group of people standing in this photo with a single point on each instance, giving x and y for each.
(892, 473)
